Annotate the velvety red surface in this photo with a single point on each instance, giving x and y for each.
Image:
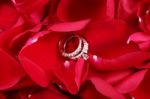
(118, 35)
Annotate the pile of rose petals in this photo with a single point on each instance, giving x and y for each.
(118, 35)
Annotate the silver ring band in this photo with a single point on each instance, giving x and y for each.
(80, 51)
(77, 50)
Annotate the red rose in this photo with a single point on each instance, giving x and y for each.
(74, 49)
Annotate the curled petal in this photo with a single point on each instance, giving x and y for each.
(81, 71)
(141, 39)
(69, 26)
(66, 75)
(74, 73)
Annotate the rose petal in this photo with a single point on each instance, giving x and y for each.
(7, 10)
(131, 83)
(9, 39)
(143, 91)
(66, 75)
(110, 8)
(141, 39)
(130, 5)
(10, 71)
(127, 11)
(106, 89)
(106, 38)
(113, 77)
(88, 91)
(123, 62)
(31, 11)
(82, 9)
(80, 66)
(29, 5)
(69, 26)
(43, 59)
(25, 82)
(37, 74)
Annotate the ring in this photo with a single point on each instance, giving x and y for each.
(80, 51)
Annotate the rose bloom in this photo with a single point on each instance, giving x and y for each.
(109, 38)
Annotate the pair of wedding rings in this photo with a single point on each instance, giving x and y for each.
(80, 51)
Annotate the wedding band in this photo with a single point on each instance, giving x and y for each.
(77, 50)
(80, 51)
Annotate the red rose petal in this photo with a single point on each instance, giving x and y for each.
(123, 62)
(66, 75)
(7, 10)
(42, 57)
(117, 76)
(110, 8)
(141, 39)
(33, 69)
(9, 39)
(130, 5)
(113, 77)
(143, 91)
(73, 10)
(69, 26)
(88, 91)
(10, 71)
(29, 5)
(131, 83)
(107, 34)
(31, 11)
(106, 89)
(74, 74)
(79, 70)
